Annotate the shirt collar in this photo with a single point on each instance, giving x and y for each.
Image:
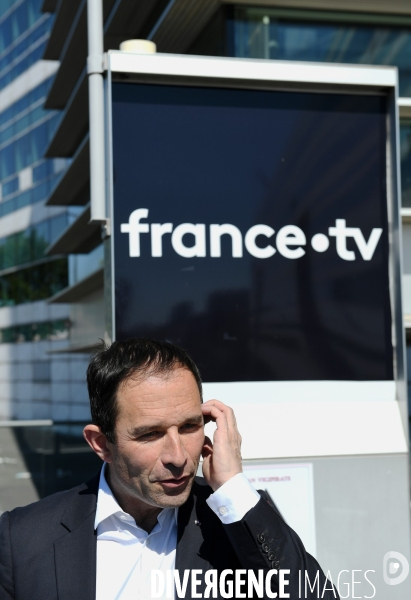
(107, 505)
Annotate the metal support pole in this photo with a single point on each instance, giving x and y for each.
(96, 110)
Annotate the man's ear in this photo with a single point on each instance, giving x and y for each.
(98, 442)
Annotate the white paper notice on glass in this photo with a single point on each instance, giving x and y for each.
(291, 488)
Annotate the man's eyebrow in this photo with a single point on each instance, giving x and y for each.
(137, 431)
(195, 419)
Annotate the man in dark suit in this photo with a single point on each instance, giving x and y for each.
(147, 512)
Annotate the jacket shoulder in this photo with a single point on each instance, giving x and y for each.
(51, 508)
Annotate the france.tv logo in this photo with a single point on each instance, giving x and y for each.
(395, 568)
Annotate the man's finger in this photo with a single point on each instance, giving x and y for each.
(226, 410)
(221, 410)
(215, 414)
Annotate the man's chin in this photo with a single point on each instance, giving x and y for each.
(175, 495)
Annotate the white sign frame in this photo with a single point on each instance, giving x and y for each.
(327, 418)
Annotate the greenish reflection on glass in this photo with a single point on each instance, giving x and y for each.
(29, 245)
(36, 332)
(34, 283)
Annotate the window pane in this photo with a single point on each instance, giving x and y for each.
(405, 149)
(35, 332)
(58, 225)
(9, 253)
(10, 187)
(33, 283)
(263, 33)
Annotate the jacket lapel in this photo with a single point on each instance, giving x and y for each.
(75, 552)
(193, 547)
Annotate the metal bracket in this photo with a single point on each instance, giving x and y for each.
(95, 64)
(106, 229)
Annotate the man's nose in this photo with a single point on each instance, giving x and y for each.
(173, 452)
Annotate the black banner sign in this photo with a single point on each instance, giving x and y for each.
(250, 227)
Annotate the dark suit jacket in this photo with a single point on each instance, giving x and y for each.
(48, 549)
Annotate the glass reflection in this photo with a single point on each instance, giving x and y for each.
(262, 33)
(30, 244)
(405, 151)
(41, 460)
(24, 32)
(36, 332)
(34, 283)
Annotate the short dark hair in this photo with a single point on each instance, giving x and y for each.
(112, 365)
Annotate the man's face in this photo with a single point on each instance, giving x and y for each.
(159, 437)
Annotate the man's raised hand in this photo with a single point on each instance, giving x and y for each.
(222, 457)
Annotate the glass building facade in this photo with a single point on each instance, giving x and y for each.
(330, 37)
(26, 178)
(24, 31)
(318, 36)
(25, 129)
(38, 381)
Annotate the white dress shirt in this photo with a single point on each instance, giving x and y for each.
(126, 554)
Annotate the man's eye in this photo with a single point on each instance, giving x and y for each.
(190, 426)
(149, 435)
